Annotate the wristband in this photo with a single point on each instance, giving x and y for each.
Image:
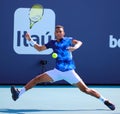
(77, 46)
(32, 43)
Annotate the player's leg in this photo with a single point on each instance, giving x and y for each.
(49, 76)
(73, 78)
(38, 79)
(83, 87)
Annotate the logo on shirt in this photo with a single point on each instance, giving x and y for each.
(42, 31)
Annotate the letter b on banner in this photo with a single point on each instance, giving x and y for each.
(113, 42)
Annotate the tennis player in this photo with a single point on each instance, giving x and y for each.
(64, 69)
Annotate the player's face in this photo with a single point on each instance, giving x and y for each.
(59, 33)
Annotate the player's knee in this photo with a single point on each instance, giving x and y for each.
(89, 91)
(86, 90)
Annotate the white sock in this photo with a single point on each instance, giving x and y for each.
(22, 91)
(101, 98)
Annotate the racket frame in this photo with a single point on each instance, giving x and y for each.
(33, 22)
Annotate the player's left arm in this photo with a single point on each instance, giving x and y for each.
(76, 45)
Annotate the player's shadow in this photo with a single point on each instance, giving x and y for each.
(24, 111)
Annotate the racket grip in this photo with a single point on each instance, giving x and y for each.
(31, 25)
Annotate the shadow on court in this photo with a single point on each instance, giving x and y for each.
(22, 111)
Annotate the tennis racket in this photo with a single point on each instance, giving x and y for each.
(35, 14)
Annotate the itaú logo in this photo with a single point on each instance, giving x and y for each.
(42, 31)
(114, 42)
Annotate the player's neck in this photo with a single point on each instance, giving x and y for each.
(59, 39)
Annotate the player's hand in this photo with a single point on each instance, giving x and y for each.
(71, 49)
(27, 36)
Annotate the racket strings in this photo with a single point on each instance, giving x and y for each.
(37, 17)
(35, 14)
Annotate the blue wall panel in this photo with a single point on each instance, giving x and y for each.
(95, 22)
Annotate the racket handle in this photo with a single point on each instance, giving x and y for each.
(31, 25)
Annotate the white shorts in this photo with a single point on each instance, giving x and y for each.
(70, 76)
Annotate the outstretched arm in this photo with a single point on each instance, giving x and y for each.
(36, 46)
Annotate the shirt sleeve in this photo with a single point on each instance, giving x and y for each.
(49, 44)
(71, 39)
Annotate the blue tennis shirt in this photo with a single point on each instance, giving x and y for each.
(64, 61)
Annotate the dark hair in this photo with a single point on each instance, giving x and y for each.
(59, 26)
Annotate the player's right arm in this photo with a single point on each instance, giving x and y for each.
(36, 46)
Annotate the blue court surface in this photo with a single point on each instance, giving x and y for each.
(58, 100)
